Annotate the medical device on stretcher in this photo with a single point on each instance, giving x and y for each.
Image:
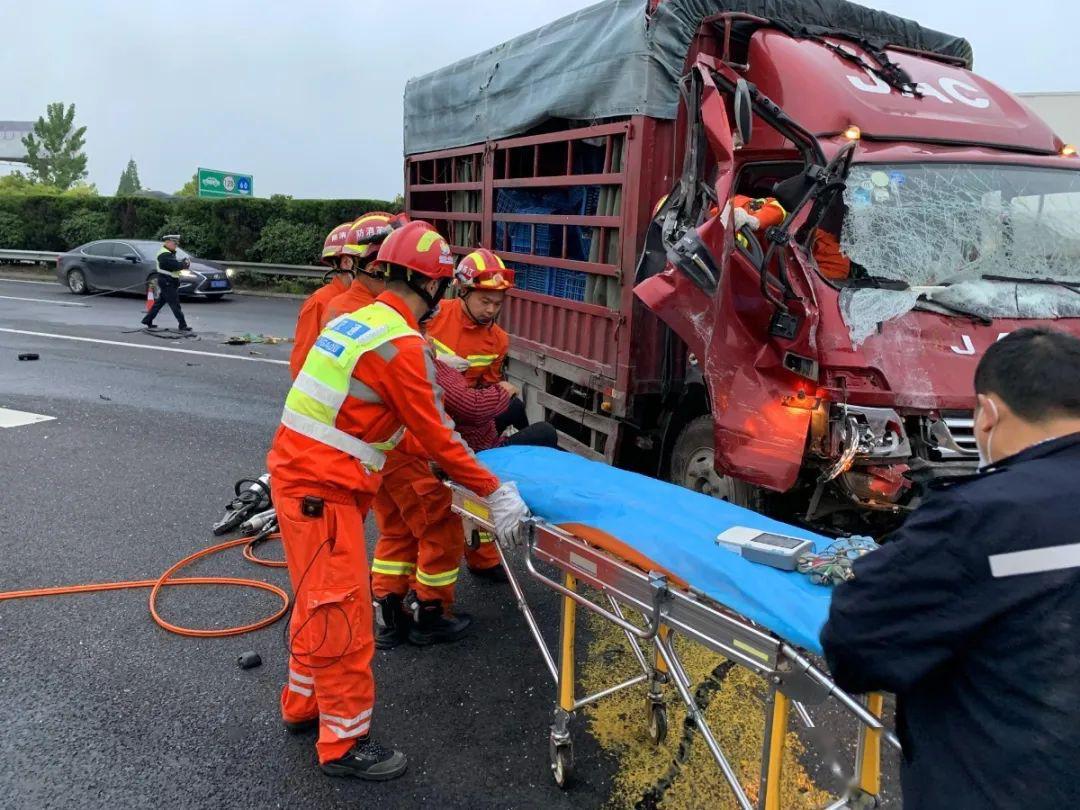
(654, 601)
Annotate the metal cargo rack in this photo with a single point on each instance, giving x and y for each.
(669, 609)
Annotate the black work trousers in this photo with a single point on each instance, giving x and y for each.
(168, 292)
(514, 416)
(538, 434)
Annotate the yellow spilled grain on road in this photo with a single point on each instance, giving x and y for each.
(649, 777)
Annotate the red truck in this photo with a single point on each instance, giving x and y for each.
(820, 369)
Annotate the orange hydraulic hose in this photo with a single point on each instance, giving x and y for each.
(166, 580)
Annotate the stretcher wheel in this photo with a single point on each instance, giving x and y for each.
(562, 764)
(658, 723)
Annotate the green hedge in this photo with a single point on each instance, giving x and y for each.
(277, 230)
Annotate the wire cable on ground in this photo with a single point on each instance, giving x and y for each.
(167, 580)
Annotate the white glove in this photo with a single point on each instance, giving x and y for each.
(455, 362)
(743, 218)
(508, 513)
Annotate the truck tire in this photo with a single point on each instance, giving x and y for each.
(692, 467)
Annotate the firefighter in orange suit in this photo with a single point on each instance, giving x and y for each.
(310, 319)
(367, 379)
(466, 336)
(362, 244)
(764, 212)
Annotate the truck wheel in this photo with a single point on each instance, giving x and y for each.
(692, 467)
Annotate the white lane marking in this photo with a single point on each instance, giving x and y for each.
(10, 418)
(26, 280)
(44, 301)
(141, 346)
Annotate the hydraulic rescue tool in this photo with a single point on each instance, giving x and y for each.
(249, 501)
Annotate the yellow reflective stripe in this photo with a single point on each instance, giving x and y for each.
(437, 580)
(486, 537)
(392, 442)
(392, 567)
(441, 348)
(478, 260)
(477, 360)
(426, 240)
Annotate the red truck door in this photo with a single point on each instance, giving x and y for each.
(754, 341)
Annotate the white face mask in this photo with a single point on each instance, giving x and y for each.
(984, 455)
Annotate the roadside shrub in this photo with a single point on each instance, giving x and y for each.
(12, 232)
(286, 242)
(193, 237)
(214, 229)
(84, 226)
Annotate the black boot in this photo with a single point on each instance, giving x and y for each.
(391, 622)
(493, 574)
(301, 726)
(368, 760)
(432, 626)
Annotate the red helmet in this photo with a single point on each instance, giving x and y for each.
(483, 270)
(334, 244)
(368, 232)
(418, 246)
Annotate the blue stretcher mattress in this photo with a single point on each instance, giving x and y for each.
(674, 527)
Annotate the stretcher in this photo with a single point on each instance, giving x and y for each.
(647, 551)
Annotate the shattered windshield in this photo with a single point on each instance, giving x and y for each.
(989, 240)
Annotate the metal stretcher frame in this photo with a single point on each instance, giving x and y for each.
(669, 610)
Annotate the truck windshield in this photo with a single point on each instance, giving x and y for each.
(965, 226)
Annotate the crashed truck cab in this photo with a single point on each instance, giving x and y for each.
(957, 209)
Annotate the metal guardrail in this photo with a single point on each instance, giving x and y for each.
(286, 270)
(28, 255)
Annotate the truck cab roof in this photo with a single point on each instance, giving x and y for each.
(826, 92)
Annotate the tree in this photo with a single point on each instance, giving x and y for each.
(17, 183)
(129, 180)
(54, 149)
(190, 188)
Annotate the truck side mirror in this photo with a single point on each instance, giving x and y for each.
(744, 111)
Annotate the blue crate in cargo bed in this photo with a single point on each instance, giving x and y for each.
(569, 284)
(530, 278)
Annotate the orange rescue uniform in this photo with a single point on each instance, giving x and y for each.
(310, 322)
(832, 263)
(322, 495)
(484, 345)
(356, 297)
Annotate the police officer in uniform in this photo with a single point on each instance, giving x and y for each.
(168, 281)
(970, 612)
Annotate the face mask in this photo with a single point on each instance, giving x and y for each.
(984, 455)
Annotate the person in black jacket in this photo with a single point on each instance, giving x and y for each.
(970, 612)
(168, 282)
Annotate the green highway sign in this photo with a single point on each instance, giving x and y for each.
(214, 183)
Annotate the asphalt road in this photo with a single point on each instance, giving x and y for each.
(101, 707)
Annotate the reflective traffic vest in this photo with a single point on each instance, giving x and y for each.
(475, 360)
(173, 273)
(325, 382)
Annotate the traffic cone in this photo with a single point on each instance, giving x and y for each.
(149, 297)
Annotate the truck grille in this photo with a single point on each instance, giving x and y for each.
(961, 425)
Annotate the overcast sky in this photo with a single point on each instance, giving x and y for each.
(307, 96)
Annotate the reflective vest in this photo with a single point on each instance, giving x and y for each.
(325, 382)
(173, 273)
(475, 360)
